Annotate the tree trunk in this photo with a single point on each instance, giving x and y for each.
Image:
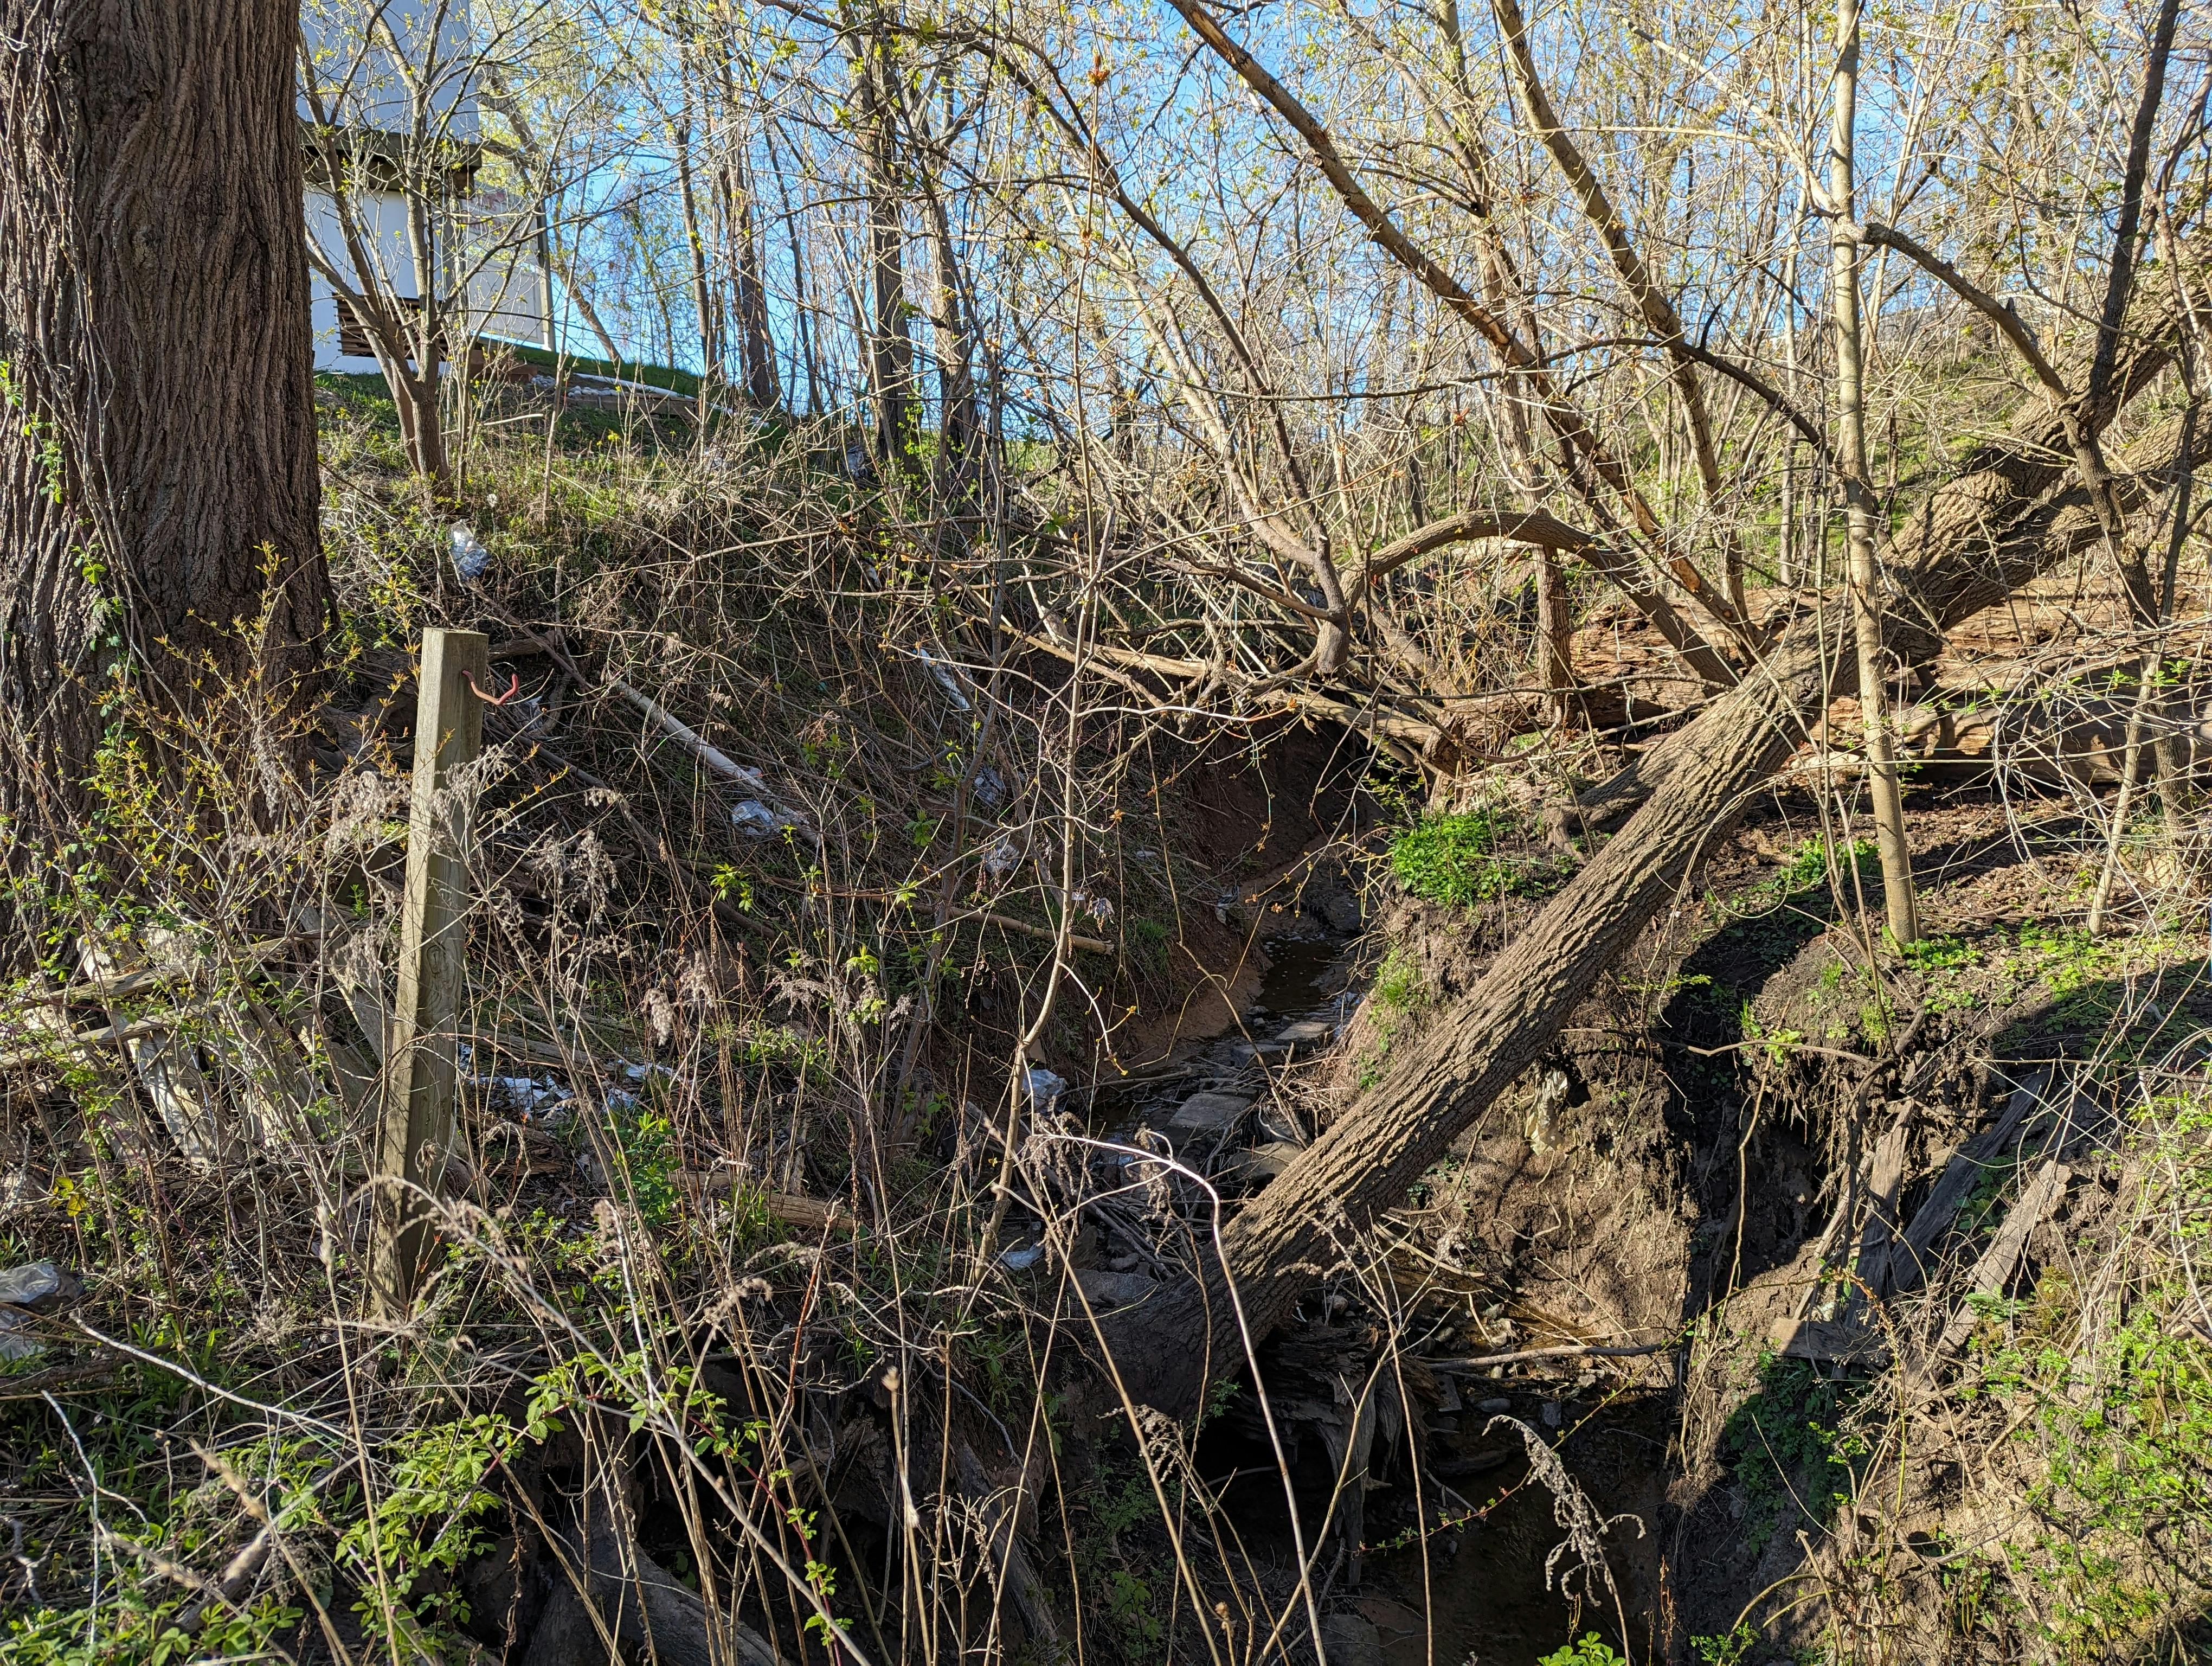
(1900, 907)
(157, 473)
(703, 299)
(890, 350)
(1790, 571)
(955, 378)
(580, 298)
(1555, 631)
(764, 387)
(734, 180)
(1974, 542)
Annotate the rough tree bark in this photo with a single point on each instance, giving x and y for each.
(158, 488)
(2003, 521)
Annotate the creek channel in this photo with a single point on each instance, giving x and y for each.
(1304, 998)
(1464, 1576)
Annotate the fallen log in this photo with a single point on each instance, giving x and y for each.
(808, 1216)
(1566, 1351)
(1994, 1270)
(1884, 1179)
(1976, 541)
(1018, 1579)
(1908, 1259)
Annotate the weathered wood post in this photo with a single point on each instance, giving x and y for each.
(416, 1134)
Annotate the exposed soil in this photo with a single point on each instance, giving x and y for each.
(1657, 1176)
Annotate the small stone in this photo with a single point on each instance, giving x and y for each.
(1349, 1640)
(1496, 1407)
(1263, 1163)
(1308, 1032)
(1112, 1290)
(40, 1285)
(1550, 1413)
(1203, 1113)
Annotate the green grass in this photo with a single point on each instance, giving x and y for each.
(1395, 995)
(629, 370)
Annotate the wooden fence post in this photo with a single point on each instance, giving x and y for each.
(421, 1072)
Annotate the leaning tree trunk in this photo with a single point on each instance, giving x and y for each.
(1974, 541)
(158, 488)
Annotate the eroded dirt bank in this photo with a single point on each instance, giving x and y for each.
(1702, 1249)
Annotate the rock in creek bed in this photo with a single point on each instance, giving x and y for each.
(1262, 1163)
(1112, 1290)
(1204, 1113)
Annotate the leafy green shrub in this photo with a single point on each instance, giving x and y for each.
(1590, 1650)
(134, 1625)
(428, 1521)
(1455, 860)
(1725, 1651)
(645, 1144)
(1398, 982)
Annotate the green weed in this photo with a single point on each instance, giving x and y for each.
(1397, 982)
(1456, 860)
(1805, 868)
(132, 1627)
(1786, 1450)
(644, 1144)
(429, 1520)
(1395, 995)
(1725, 1651)
(1946, 965)
(1589, 1649)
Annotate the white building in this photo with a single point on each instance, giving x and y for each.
(388, 100)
